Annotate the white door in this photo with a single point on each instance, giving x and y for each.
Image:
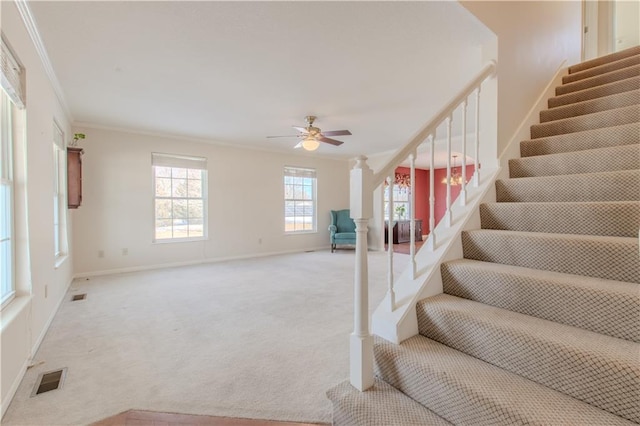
(589, 29)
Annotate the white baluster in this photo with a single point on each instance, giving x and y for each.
(448, 218)
(476, 175)
(412, 238)
(463, 189)
(390, 210)
(432, 195)
(361, 341)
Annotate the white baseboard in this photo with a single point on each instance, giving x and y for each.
(14, 387)
(45, 329)
(192, 262)
(8, 397)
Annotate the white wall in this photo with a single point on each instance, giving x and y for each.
(606, 10)
(245, 202)
(534, 40)
(40, 286)
(627, 24)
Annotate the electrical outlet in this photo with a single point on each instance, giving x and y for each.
(100, 253)
(125, 251)
(259, 240)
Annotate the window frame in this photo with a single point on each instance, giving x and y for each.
(6, 179)
(397, 191)
(59, 194)
(300, 173)
(173, 161)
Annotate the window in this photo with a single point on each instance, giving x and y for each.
(12, 99)
(180, 195)
(6, 203)
(59, 193)
(401, 204)
(299, 200)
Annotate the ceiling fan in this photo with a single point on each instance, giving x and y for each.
(312, 136)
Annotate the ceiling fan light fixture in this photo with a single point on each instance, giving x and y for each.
(310, 143)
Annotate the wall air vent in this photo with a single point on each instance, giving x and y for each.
(76, 297)
(49, 381)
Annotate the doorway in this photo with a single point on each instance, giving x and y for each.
(609, 26)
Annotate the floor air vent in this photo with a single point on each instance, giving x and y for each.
(49, 381)
(78, 297)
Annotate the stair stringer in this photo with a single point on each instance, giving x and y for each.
(402, 323)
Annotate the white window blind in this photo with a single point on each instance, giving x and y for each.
(58, 136)
(180, 161)
(299, 172)
(12, 75)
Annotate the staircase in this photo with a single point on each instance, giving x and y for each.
(539, 323)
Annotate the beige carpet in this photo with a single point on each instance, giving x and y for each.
(262, 338)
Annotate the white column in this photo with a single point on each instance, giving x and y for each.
(476, 174)
(463, 189)
(391, 296)
(412, 206)
(432, 195)
(361, 341)
(447, 214)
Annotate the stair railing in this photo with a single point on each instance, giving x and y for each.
(363, 183)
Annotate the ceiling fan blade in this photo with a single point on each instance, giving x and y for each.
(298, 145)
(301, 129)
(329, 141)
(284, 136)
(336, 133)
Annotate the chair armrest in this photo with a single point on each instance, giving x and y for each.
(333, 229)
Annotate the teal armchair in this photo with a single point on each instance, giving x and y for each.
(342, 228)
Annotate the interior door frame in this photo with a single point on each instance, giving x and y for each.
(589, 29)
(598, 28)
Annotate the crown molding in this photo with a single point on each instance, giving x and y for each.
(32, 29)
(187, 138)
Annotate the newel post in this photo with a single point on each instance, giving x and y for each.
(361, 342)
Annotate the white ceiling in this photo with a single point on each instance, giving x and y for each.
(235, 72)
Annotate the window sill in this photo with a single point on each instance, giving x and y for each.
(181, 240)
(13, 309)
(60, 260)
(301, 232)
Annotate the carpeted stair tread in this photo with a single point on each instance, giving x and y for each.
(612, 57)
(381, 405)
(598, 80)
(624, 157)
(625, 134)
(611, 258)
(602, 306)
(621, 185)
(617, 100)
(468, 391)
(600, 370)
(632, 83)
(596, 120)
(539, 322)
(585, 218)
(601, 69)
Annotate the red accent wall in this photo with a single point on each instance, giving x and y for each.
(421, 188)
